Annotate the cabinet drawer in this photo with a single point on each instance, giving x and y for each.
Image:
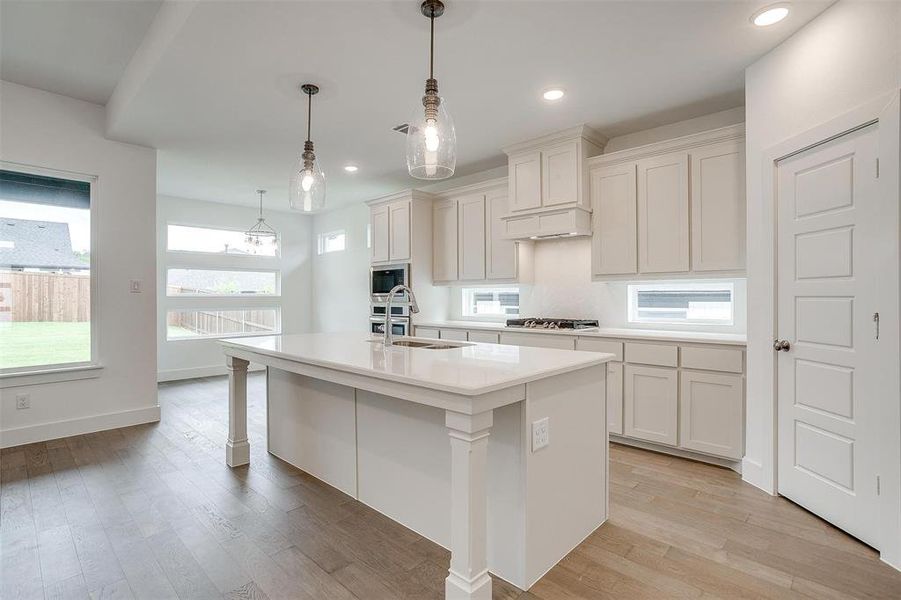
(427, 332)
(453, 334)
(712, 359)
(652, 354)
(564, 342)
(596, 345)
(483, 337)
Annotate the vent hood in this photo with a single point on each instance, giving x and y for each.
(548, 224)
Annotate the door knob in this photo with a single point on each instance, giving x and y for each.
(781, 345)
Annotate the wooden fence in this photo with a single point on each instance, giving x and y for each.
(45, 296)
(224, 322)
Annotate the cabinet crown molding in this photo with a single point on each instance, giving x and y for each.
(580, 131)
(410, 194)
(686, 142)
(473, 188)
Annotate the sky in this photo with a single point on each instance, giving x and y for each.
(79, 219)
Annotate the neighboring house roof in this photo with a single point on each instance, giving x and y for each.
(37, 245)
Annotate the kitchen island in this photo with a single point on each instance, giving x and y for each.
(496, 452)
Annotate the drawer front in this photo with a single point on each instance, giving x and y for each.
(596, 345)
(712, 359)
(483, 337)
(539, 340)
(662, 355)
(427, 332)
(458, 335)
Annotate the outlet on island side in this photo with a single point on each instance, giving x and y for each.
(541, 435)
(23, 401)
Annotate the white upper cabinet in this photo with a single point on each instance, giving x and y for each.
(561, 166)
(471, 233)
(718, 207)
(379, 233)
(444, 240)
(614, 243)
(500, 253)
(399, 231)
(525, 181)
(663, 226)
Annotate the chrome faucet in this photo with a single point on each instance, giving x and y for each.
(414, 308)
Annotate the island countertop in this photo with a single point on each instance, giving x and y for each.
(469, 370)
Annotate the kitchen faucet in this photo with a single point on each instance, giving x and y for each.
(414, 308)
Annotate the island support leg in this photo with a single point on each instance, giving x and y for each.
(237, 449)
(468, 578)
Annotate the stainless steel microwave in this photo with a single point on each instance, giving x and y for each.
(399, 326)
(383, 278)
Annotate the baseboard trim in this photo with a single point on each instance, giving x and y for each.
(197, 372)
(752, 472)
(60, 429)
(712, 460)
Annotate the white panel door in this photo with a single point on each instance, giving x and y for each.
(829, 269)
(471, 233)
(560, 166)
(663, 227)
(525, 181)
(444, 240)
(399, 231)
(500, 253)
(614, 237)
(651, 404)
(718, 207)
(379, 233)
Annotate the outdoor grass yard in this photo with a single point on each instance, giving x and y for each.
(45, 343)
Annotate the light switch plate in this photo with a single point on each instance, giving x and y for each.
(23, 401)
(541, 434)
(134, 286)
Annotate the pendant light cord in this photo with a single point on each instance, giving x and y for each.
(309, 113)
(432, 45)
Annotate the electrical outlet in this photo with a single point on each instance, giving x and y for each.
(541, 434)
(23, 401)
(134, 286)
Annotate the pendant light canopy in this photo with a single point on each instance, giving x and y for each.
(431, 139)
(307, 191)
(261, 233)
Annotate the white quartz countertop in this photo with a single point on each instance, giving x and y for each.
(606, 332)
(468, 370)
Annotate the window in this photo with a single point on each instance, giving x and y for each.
(331, 242)
(205, 282)
(45, 273)
(490, 303)
(689, 302)
(196, 324)
(184, 238)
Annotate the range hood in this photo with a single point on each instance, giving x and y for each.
(548, 224)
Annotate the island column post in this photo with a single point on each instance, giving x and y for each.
(468, 577)
(237, 448)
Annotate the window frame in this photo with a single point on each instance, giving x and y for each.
(320, 237)
(487, 318)
(278, 246)
(218, 308)
(58, 372)
(276, 272)
(632, 290)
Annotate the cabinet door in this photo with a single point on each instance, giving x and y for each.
(718, 208)
(525, 181)
(615, 397)
(379, 233)
(711, 413)
(663, 214)
(500, 253)
(399, 228)
(614, 237)
(471, 233)
(444, 248)
(560, 169)
(650, 403)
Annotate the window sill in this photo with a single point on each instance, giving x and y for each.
(50, 375)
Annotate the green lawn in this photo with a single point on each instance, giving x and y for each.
(30, 344)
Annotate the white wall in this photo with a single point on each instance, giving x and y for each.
(341, 279)
(181, 359)
(46, 130)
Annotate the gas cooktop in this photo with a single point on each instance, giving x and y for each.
(540, 323)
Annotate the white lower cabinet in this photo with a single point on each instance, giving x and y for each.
(651, 404)
(427, 332)
(615, 397)
(458, 335)
(711, 413)
(540, 340)
(484, 337)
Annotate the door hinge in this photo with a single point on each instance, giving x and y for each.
(878, 486)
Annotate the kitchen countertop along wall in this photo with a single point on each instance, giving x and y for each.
(700, 337)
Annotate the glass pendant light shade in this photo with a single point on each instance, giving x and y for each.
(307, 191)
(432, 144)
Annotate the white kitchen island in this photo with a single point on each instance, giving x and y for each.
(441, 440)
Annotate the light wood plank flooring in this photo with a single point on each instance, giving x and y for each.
(153, 512)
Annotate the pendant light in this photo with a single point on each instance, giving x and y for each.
(261, 233)
(307, 182)
(431, 139)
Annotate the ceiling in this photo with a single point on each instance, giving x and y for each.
(214, 85)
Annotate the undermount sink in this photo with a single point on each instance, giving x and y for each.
(425, 345)
(412, 343)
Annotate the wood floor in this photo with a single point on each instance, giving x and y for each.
(153, 512)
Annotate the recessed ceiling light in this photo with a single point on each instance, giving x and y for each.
(350, 168)
(770, 15)
(553, 94)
